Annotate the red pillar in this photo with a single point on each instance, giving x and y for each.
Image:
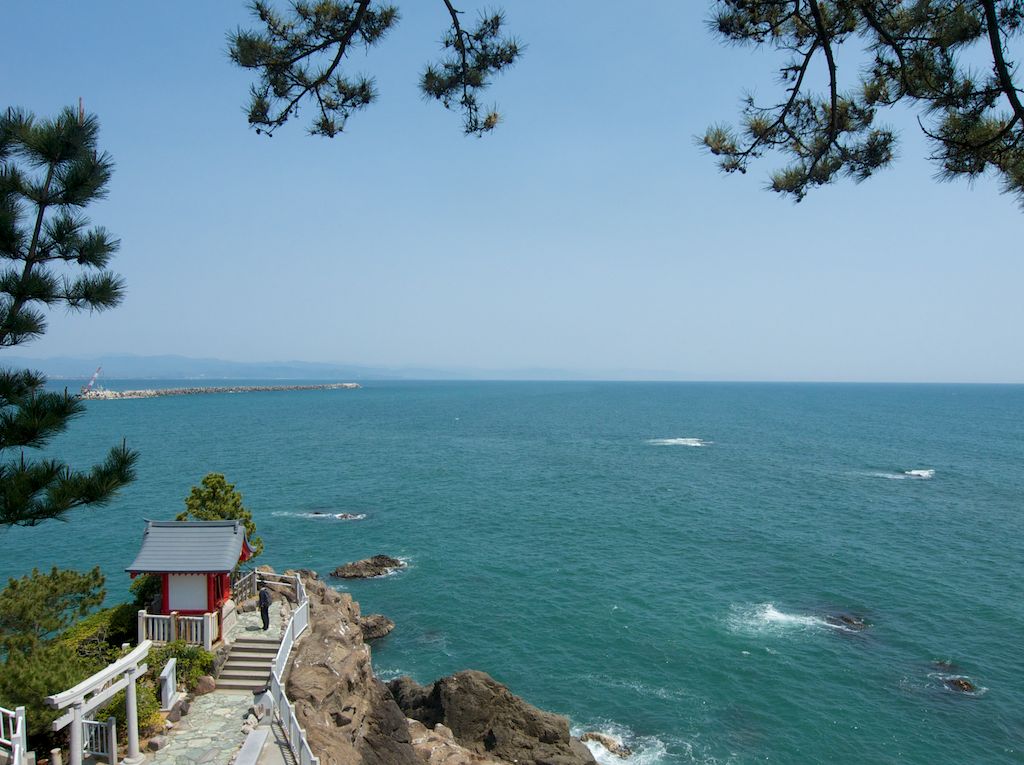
(165, 594)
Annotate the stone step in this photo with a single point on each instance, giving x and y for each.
(241, 684)
(257, 639)
(244, 672)
(270, 650)
(234, 662)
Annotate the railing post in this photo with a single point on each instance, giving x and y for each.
(208, 625)
(172, 627)
(75, 743)
(112, 740)
(20, 735)
(131, 711)
(142, 625)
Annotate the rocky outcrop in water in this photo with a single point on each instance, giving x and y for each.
(609, 743)
(378, 565)
(847, 622)
(375, 626)
(487, 719)
(959, 684)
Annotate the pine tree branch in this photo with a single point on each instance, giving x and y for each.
(999, 61)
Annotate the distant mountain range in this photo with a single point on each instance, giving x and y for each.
(125, 366)
(186, 368)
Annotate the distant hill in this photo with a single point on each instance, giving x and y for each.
(168, 367)
(185, 368)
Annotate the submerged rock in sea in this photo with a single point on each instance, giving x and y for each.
(488, 719)
(615, 747)
(959, 684)
(847, 621)
(378, 565)
(375, 626)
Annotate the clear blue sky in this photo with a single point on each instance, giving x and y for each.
(588, 233)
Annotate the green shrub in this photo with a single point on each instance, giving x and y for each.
(99, 636)
(147, 705)
(124, 624)
(193, 662)
(146, 588)
(29, 677)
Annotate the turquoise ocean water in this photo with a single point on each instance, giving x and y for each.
(653, 560)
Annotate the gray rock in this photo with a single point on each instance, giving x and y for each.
(609, 743)
(206, 684)
(486, 718)
(156, 743)
(378, 565)
(375, 626)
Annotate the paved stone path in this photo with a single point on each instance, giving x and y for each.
(251, 624)
(210, 734)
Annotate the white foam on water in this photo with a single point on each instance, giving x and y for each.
(765, 618)
(386, 675)
(321, 516)
(920, 473)
(666, 694)
(678, 442)
(645, 750)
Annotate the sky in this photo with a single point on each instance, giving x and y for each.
(587, 234)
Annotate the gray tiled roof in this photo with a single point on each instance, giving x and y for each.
(182, 546)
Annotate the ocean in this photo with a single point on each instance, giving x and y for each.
(655, 560)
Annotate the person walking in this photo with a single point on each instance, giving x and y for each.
(265, 606)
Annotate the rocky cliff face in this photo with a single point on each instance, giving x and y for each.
(486, 718)
(351, 718)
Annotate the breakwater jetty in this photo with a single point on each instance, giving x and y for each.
(110, 395)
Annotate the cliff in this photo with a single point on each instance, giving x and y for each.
(352, 718)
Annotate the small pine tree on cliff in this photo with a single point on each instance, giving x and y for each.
(216, 500)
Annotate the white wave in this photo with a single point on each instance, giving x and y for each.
(644, 750)
(320, 516)
(766, 618)
(386, 675)
(678, 442)
(666, 694)
(919, 473)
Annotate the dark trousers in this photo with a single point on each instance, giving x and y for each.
(265, 613)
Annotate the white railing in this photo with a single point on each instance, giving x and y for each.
(244, 587)
(99, 739)
(156, 627)
(201, 630)
(190, 629)
(92, 694)
(169, 685)
(13, 734)
(294, 733)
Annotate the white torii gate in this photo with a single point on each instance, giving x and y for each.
(100, 688)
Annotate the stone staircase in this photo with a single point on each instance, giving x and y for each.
(248, 665)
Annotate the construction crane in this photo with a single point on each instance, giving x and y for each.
(88, 387)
